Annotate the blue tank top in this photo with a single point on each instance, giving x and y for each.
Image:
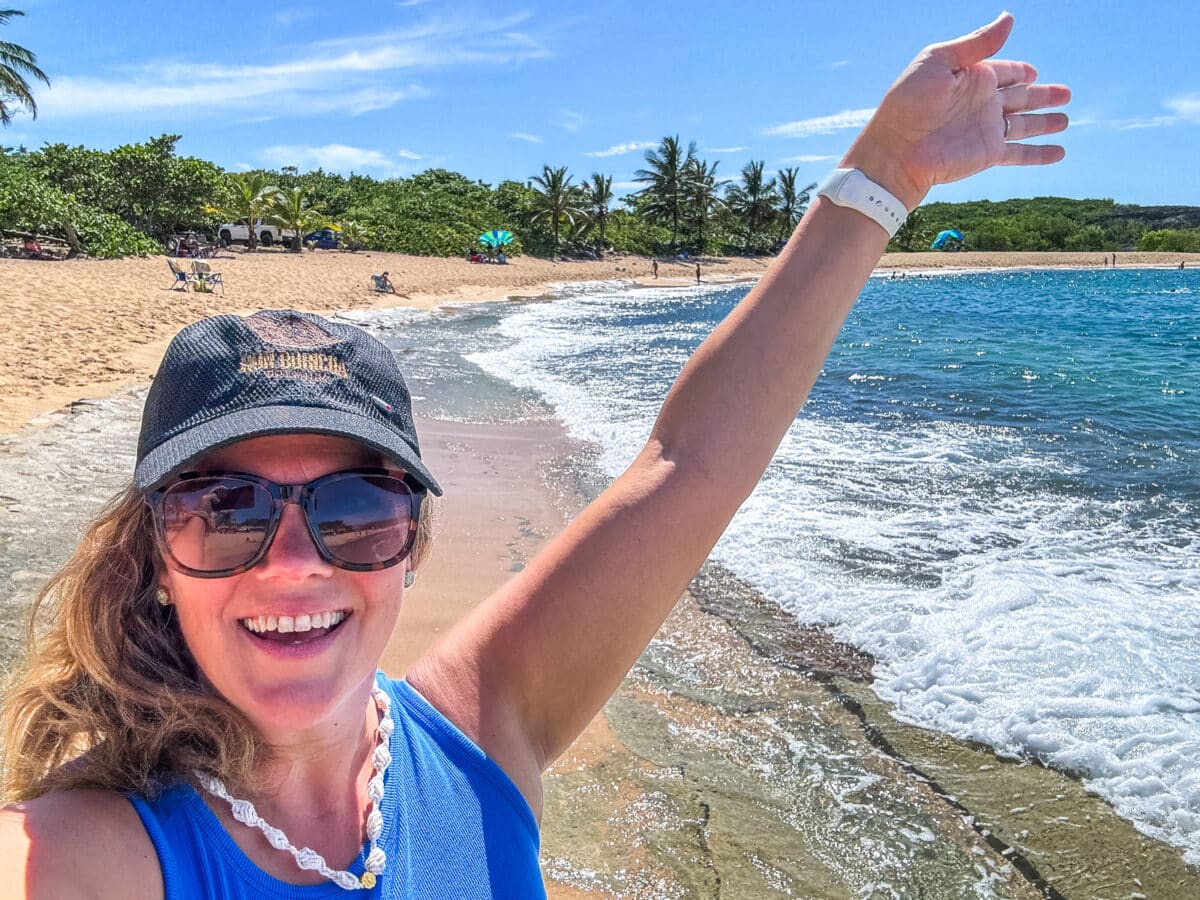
(455, 826)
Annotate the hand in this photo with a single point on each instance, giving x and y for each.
(945, 117)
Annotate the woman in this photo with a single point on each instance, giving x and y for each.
(217, 634)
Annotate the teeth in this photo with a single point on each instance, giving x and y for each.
(288, 624)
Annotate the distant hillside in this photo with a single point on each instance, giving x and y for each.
(1048, 223)
(1154, 217)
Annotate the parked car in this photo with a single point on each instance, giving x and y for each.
(238, 233)
(323, 239)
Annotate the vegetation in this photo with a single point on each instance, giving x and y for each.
(1046, 223)
(16, 64)
(291, 211)
(130, 200)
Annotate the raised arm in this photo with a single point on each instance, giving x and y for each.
(529, 669)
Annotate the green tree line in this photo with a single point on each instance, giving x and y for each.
(131, 199)
(1053, 223)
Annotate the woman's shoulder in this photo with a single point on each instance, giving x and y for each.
(76, 844)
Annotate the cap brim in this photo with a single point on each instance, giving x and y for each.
(174, 455)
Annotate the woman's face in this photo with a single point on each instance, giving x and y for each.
(289, 679)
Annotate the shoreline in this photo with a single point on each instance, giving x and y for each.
(85, 328)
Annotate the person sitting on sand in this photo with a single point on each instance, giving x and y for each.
(385, 284)
(201, 711)
(33, 250)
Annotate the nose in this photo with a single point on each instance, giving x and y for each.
(292, 553)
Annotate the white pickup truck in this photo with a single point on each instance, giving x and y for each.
(238, 233)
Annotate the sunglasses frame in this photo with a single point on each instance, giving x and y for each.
(281, 495)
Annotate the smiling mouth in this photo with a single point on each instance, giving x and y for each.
(295, 629)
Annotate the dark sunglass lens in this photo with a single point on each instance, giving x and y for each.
(214, 524)
(363, 520)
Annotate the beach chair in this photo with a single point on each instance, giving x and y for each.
(181, 277)
(206, 276)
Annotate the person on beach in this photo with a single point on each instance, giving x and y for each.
(697, 273)
(201, 713)
(385, 283)
(654, 267)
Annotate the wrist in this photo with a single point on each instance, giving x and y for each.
(885, 170)
(851, 188)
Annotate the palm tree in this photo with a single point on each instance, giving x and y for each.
(700, 194)
(665, 181)
(792, 203)
(15, 63)
(753, 200)
(599, 198)
(355, 235)
(291, 210)
(252, 198)
(555, 200)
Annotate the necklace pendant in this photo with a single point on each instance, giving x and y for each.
(367, 880)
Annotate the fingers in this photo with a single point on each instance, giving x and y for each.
(1009, 73)
(1024, 97)
(1032, 154)
(1031, 125)
(978, 45)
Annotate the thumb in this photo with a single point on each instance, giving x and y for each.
(978, 45)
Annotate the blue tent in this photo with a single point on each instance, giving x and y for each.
(953, 235)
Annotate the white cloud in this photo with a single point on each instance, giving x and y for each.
(627, 185)
(571, 121)
(726, 149)
(621, 149)
(1185, 107)
(407, 154)
(839, 63)
(351, 75)
(847, 118)
(334, 158)
(807, 158)
(528, 138)
(289, 17)
(404, 3)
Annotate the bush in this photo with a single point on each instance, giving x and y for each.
(29, 203)
(1171, 240)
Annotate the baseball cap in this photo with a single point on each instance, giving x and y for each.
(278, 371)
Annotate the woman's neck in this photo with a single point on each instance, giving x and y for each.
(313, 788)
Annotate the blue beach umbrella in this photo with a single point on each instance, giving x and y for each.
(496, 238)
(939, 242)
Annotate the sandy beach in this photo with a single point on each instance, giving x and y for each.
(654, 800)
(82, 328)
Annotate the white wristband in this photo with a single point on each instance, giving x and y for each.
(853, 189)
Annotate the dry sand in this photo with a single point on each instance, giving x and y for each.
(81, 328)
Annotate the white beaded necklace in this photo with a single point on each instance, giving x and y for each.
(307, 858)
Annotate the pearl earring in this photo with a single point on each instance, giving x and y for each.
(162, 596)
(409, 577)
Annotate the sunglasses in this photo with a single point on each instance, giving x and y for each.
(217, 524)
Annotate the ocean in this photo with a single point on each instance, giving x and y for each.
(994, 490)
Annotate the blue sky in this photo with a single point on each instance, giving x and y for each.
(496, 90)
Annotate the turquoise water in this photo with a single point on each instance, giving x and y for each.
(993, 488)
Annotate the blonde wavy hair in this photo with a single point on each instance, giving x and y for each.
(109, 696)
